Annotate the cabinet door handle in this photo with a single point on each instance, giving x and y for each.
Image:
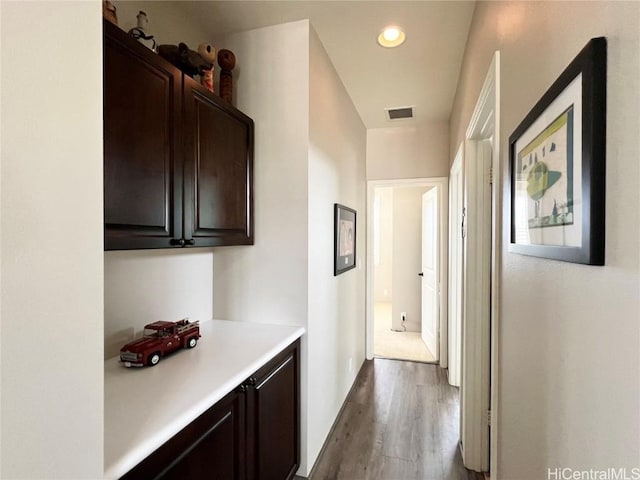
(191, 241)
(241, 388)
(252, 381)
(177, 241)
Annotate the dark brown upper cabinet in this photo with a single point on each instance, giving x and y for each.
(178, 160)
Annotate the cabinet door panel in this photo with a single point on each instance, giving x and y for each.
(221, 168)
(274, 416)
(211, 456)
(211, 447)
(142, 174)
(218, 170)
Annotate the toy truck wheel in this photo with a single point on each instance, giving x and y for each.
(192, 342)
(154, 358)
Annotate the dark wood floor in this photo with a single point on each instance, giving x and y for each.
(401, 422)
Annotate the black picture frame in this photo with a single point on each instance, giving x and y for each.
(565, 130)
(344, 244)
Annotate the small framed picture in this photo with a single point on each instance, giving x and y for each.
(344, 239)
(557, 163)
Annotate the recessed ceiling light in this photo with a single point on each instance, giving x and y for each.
(391, 36)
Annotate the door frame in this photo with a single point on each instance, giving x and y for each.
(456, 218)
(480, 387)
(442, 184)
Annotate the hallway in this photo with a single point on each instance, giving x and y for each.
(400, 422)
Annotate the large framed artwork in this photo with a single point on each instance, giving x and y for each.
(557, 166)
(344, 252)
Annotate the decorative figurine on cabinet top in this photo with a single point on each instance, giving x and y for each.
(160, 339)
(208, 54)
(109, 11)
(140, 34)
(227, 62)
(189, 62)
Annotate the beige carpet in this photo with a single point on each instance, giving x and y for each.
(399, 345)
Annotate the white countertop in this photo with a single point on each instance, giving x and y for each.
(144, 407)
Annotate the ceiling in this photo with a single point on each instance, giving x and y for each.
(423, 72)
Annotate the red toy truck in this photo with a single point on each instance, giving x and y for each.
(160, 338)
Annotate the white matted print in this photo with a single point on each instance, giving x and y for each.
(548, 174)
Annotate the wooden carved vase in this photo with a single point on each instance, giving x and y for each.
(227, 62)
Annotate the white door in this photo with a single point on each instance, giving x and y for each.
(475, 392)
(430, 274)
(455, 269)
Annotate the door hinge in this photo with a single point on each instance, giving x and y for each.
(462, 225)
(491, 175)
(489, 417)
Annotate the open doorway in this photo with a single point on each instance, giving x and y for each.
(407, 231)
(402, 241)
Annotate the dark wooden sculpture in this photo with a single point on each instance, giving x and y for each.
(227, 62)
(188, 61)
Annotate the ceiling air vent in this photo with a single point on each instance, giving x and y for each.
(399, 113)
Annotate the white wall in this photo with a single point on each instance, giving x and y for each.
(569, 371)
(51, 224)
(268, 281)
(420, 151)
(309, 154)
(382, 274)
(336, 326)
(407, 257)
(148, 285)
(142, 286)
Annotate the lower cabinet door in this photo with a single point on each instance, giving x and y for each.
(273, 418)
(211, 447)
